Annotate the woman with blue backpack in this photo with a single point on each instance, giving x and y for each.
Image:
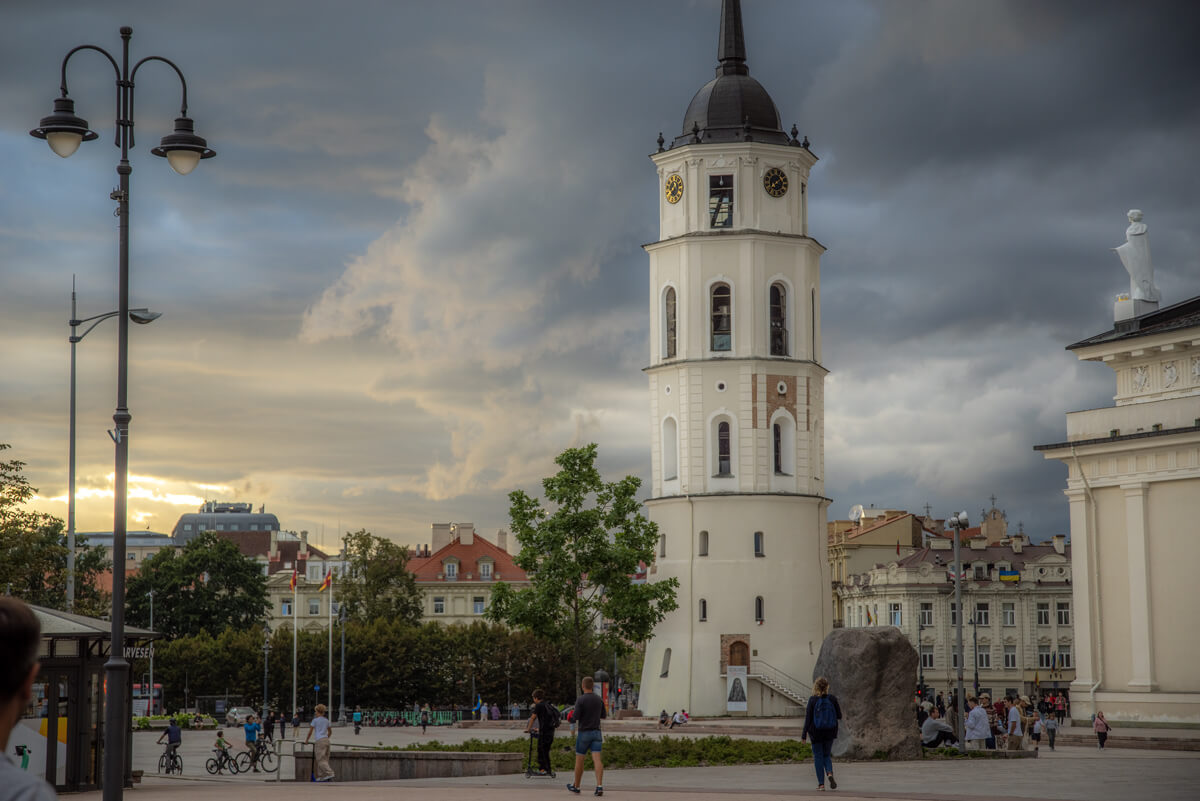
(821, 718)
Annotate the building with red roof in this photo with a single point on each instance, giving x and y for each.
(457, 571)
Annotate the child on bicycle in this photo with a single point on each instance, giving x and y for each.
(221, 746)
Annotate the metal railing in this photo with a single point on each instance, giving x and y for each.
(773, 677)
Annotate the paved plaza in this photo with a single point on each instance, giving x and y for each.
(1080, 773)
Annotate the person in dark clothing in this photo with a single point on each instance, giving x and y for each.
(589, 710)
(820, 724)
(542, 720)
(269, 730)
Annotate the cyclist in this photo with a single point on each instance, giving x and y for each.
(174, 736)
(221, 749)
(251, 729)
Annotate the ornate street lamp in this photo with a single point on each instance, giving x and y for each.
(64, 131)
(959, 522)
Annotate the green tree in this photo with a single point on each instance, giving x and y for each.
(581, 559)
(380, 584)
(33, 551)
(208, 585)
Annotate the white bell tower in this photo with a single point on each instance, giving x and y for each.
(736, 405)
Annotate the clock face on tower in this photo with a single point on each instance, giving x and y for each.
(775, 182)
(674, 188)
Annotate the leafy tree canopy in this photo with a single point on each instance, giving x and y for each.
(380, 584)
(33, 551)
(581, 559)
(207, 585)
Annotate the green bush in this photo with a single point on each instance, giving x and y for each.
(141, 723)
(641, 751)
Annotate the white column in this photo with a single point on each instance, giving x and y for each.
(1082, 554)
(1140, 631)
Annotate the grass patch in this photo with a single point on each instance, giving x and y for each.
(641, 751)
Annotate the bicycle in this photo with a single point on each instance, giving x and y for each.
(218, 763)
(262, 757)
(170, 761)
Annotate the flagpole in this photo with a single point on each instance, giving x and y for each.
(330, 674)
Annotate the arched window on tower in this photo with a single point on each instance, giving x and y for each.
(669, 322)
(722, 317)
(759, 549)
(666, 664)
(777, 447)
(759, 611)
(779, 331)
(702, 544)
(703, 610)
(670, 449)
(724, 462)
(783, 444)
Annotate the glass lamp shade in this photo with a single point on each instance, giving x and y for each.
(183, 161)
(64, 143)
(183, 149)
(62, 130)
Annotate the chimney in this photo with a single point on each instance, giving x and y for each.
(440, 536)
(274, 552)
(502, 540)
(1017, 544)
(465, 532)
(304, 543)
(941, 543)
(1060, 543)
(978, 543)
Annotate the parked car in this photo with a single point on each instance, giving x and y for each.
(237, 715)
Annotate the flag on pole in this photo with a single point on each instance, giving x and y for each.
(1010, 575)
(870, 621)
(1036, 681)
(292, 586)
(328, 582)
(897, 547)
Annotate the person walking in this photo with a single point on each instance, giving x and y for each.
(1050, 726)
(821, 718)
(269, 732)
(1060, 707)
(589, 711)
(1015, 730)
(977, 729)
(424, 717)
(319, 727)
(1101, 727)
(20, 636)
(282, 725)
(542, 720)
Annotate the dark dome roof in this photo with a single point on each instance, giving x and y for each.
(726, 105)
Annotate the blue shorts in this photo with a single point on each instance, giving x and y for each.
(588, 741)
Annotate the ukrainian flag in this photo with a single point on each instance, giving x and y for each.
(1010, 575)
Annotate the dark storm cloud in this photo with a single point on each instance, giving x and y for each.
(447, 200)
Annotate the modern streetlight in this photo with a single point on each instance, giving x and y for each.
(342, 691)
(64, 131)
(920, 661)
(150, 595)
(140, 316)
(959, 522)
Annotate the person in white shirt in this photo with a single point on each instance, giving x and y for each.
(320, 728)
(20, 634)
(978, 729)
(1015, 728)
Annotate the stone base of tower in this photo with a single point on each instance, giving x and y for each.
(753, 575)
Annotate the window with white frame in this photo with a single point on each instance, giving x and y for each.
(1010, 657)
(1045, 660)
(980, 572)
(1043, 614)
(285, 608)
(1064, 656)
(953, 613)
(485, 570)
(477, 605)
(669, 322)
(724, 450)
(439, 605)
(779, 329)
(983, 615)
(926, 656)
(1009, 613)
(895, 615)
(314, 606)
(983, 657)
(926, 613)
(758, 544)
(1064, 612)
(954, 656)
(720, 201)
(451, 569)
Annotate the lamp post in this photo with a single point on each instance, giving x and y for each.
(342, 691)
(266, 649)
(64, 131)
(140, 316)
(975, 645)
(150, 595)
(958, 522)
(920, 661)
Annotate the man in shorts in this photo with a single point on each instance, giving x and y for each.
(589, 710)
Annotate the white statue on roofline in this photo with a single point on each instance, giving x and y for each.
(1135, 255)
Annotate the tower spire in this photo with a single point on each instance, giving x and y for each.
(731, 48)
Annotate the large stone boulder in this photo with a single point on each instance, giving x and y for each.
(873, 673)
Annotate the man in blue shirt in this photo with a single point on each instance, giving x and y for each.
(174, 737)
(252, 728)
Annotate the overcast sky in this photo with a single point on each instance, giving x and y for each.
(414, 274)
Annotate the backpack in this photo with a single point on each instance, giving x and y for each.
(555, 717)
(824, 714)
